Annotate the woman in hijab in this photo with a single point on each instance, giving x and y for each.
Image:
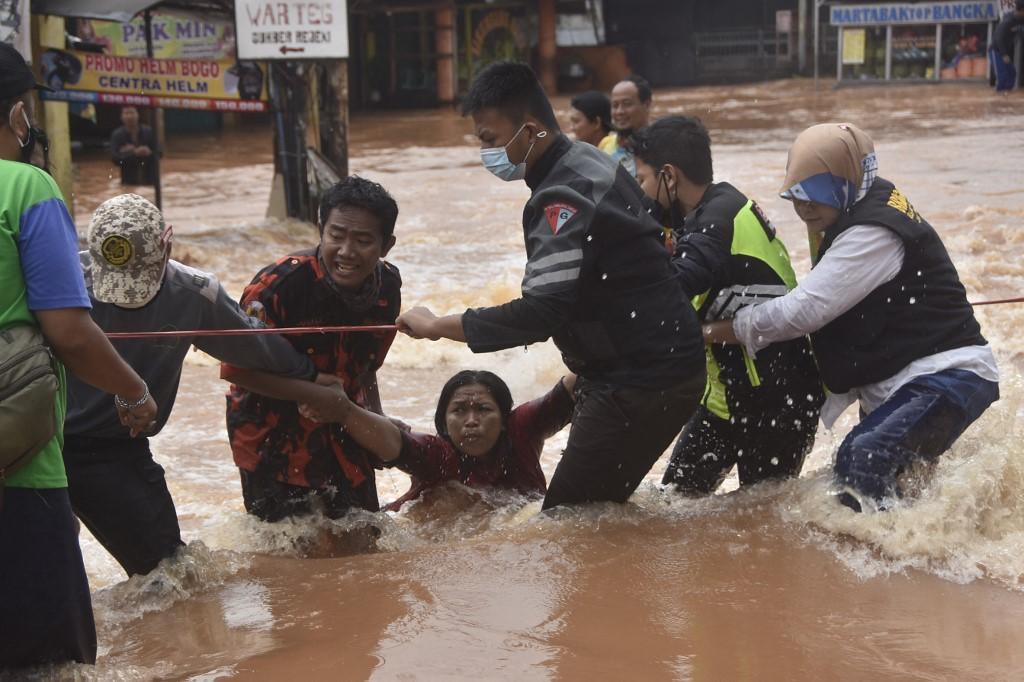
(887, 315)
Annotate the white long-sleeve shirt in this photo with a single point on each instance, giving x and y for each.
(860, 260)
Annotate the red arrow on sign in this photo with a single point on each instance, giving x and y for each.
(285, 49)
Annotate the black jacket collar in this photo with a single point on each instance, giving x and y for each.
(535, 176)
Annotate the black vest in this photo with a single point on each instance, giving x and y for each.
(920, 312)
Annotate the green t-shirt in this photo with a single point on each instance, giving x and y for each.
(38, 271)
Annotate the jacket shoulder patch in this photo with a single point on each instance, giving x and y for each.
(558, 214)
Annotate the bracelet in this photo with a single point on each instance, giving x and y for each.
(125, 405)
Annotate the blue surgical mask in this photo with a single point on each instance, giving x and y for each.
(495, 159)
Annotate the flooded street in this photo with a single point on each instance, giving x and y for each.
(767, 584)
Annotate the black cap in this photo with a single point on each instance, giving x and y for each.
(16, 78)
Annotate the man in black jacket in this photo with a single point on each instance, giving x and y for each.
(598, 281)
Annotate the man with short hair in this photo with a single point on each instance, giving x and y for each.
(759, 414)
(631, 111)
(45, 607)
(117, 489)
(289, 464)
(134, 148)
(598, 282)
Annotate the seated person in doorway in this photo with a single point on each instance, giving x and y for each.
(887, 314)
(590, 117)
(134, 148)
(631, 111)
(117, 489)
(481, 441)
(289, 464)
(759, 415)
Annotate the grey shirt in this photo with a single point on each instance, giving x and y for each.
(188, 299)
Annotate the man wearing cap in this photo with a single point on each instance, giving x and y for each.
(45, 607)
(117, 489)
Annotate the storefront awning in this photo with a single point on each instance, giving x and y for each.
(115, 10)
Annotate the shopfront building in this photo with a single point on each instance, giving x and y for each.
(925, 41)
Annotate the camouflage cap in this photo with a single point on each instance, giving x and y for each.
(126, 242)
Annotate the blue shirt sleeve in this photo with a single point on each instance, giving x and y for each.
(48, 247)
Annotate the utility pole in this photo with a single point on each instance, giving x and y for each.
(155, 158)
(49, 32)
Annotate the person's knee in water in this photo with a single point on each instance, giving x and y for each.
(885, 319)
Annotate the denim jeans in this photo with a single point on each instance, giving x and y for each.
(919, 422)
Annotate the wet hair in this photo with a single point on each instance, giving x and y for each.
(681, 141)
(594, 105)
(359, 192)
(643, 88)
(489, 380)
(513, 89)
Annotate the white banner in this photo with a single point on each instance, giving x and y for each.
(14, 26)
(293, 29)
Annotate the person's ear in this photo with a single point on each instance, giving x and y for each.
(17, 118)
(389, 244)
(671, 180)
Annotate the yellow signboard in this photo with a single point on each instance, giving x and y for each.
(223, 85)
(854, 40)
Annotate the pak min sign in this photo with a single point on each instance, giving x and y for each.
(916, 13)
(292, 29)
(170, 83)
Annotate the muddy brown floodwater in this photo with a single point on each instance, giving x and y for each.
(774, 583)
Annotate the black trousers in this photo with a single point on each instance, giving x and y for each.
(764, 447)
(617, 435)
(121, 496)
(45, 607)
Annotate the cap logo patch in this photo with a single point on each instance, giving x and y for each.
(558, 215)
(117, 250)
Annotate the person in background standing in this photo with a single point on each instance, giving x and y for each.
(591, 117)
(1002, 50)
(134, 148)
(631, 111)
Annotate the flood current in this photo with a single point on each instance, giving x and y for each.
(772, 583)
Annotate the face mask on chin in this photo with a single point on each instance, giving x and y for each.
(36, 138)
(495, 159)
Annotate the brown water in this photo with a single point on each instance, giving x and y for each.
(774, 583)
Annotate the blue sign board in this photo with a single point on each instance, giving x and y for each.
(915, 13)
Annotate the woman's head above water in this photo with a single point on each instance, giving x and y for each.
(831, 166)
(472, 411)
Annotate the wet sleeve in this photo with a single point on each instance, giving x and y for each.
(264, 352)
(259, 303)
(702, 259)
(860, 260)
(556, 234)
(48, 249)
(429, 459)
(543, 417)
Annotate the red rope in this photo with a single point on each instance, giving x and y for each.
(329, 330)
(1003, 300)
(246, 332)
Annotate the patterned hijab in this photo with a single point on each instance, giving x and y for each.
(832, 164)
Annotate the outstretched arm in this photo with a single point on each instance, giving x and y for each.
(373, 431)
(421, 323)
